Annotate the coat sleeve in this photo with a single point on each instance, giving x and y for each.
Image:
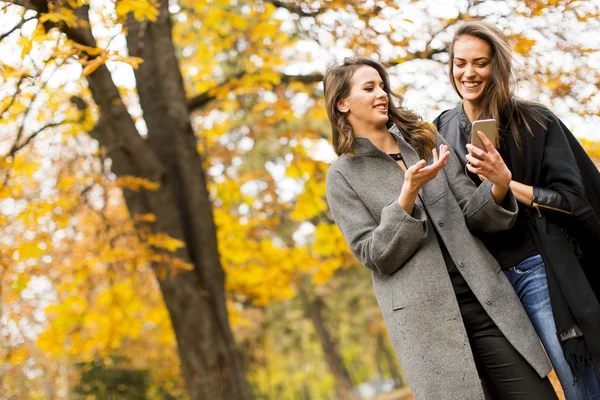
(477, 203)
(560, 187)
(549, 199)
(383, 247)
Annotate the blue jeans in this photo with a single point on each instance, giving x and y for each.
(528, 278)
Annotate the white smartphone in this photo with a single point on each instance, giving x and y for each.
(488, 127)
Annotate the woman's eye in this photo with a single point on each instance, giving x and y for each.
(368, 89)
(481, 65)
(459, 65)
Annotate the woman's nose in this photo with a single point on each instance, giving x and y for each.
(469, 70)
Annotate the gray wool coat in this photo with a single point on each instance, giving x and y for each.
(410, 278)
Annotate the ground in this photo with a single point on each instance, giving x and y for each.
(404, 393)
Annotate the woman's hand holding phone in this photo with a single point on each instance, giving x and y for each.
(489, 165)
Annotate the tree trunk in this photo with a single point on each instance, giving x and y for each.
(343, 383)
(195, 299)
(390, 360)
(305, 392)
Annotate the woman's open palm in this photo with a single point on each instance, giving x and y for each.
(419, 174)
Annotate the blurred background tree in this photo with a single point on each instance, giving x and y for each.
(162, 168)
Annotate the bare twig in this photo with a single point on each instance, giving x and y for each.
(14, 97)
(18, 26)
(296, 9)
(16, 147)
(30, 5)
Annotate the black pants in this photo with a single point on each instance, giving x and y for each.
(505, 373)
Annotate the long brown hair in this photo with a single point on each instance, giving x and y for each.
(337, 85)
(499, 101)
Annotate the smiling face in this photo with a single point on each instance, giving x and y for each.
(471, 68)
(367, 104)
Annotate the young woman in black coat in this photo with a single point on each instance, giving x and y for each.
(549, 254)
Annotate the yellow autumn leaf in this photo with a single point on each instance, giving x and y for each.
(21, 282)
(30, 250)
(294, 172)
(524, 45)
(136, 183)
(17, 356)
(92, 51)
(165, 241)
(133, 61)
(66, 182)
(271, 76)
(66, 203)
(145, 217)
(66, 15)
(27, 44)
(48, 342)
(94, 64)
(29, 168)
(329, 241)
(141, 9)
(180, 264)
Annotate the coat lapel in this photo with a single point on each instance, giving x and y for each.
(409, 155)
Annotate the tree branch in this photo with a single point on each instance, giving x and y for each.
(14, 97)
(15, 148)
(296, 9)
(35, 5)
(200, 100)
(115, 125)
(203, 99)
(19, 25)
(313, 78)
(419, 55)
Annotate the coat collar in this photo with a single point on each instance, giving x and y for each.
(463, 120)
(432, 190)
(364, 147)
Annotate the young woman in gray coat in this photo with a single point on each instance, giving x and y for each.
(406, 210)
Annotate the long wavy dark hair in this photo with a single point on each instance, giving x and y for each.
(499, 101)
(337, 85)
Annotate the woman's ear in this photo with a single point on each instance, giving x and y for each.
(342, 106)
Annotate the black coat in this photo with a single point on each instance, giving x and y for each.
(553, 159)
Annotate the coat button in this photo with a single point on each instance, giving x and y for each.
(488, 302)
(441, 222)
(461, 264)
